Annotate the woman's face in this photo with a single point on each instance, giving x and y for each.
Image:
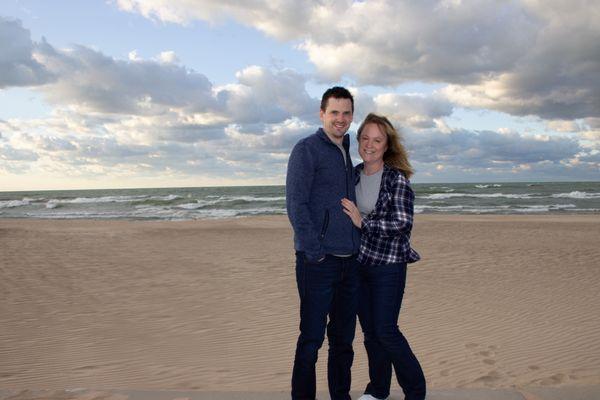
(372, 144)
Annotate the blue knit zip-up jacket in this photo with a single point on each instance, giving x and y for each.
(317, 181)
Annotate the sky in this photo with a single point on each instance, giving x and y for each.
(177, 93)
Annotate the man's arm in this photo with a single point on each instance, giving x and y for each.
(299, 181)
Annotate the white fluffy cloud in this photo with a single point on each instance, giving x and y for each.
(265, 96)
(284, 19)
(100, 83)
(413, 111)
(522, 57)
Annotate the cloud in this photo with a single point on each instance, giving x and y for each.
(522, 57)
(100, 83)
(92, 82)
(412, 110)
(487, 149)
(462, 155)
(389, 42)
(155, 117)
(18, 64)
(9, 153)
(266, 96)
(284, 19)
(145, 146)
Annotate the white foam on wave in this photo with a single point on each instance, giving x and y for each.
(113, 199)
(192, 212)
(252, 198)
(169, 197)
(198, 204)
(444, 188)
(15, 203)
(577, 195)
(543, 208)
(443, 196)
(521, 209)
(104, 199)
(76, 215)
(488, 186)
(419, 209)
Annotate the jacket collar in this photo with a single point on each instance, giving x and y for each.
(361, 166)
(345, 140)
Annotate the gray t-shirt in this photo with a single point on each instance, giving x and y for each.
(367, 192)
(343, 152)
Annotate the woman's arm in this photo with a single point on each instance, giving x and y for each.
(352, 211)
(399, 218)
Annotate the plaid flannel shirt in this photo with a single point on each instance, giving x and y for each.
(386, 230)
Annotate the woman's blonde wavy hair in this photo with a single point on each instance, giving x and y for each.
(395, 156)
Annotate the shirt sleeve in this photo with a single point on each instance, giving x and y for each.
(299, 181)
(399, 218)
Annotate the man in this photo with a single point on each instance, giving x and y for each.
(320, 175)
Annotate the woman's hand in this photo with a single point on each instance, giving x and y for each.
(352, 211)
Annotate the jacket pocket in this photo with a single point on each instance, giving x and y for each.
(325, 225)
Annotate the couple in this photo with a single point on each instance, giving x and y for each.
(352, 239)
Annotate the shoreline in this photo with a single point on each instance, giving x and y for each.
(284, 217)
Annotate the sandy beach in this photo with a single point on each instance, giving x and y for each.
(496, 302)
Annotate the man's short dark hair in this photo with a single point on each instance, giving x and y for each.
(337, 92)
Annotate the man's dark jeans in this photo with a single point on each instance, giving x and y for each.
(381, 292)
(326, 288)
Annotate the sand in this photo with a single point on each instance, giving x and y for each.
(497, 302)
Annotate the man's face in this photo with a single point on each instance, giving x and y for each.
(336, 118)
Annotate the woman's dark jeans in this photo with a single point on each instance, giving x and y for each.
(381, 291)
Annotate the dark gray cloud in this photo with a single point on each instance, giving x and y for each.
(190, 133)
(486, 149)
(55, 144)
(18, 65)
(9, 153)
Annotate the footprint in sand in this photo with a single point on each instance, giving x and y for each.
(489, 379)
(487, 356)
(554, 379)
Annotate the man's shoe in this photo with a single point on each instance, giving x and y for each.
(368, 397)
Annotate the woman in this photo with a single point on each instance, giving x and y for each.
(384, 213)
